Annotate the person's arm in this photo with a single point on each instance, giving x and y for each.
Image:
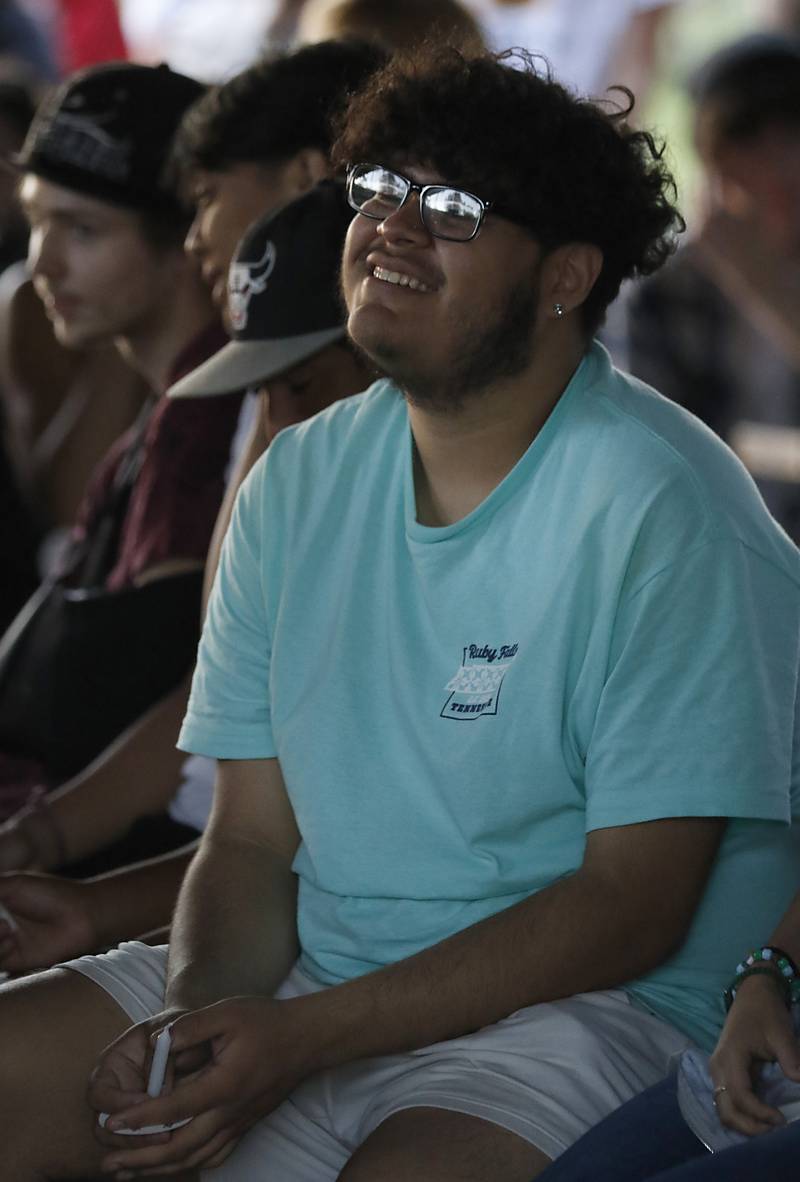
(136, 776)
(762, 286)
(625, 910)
(622, 913)
(57, 918)
(235, 926)
(758, 1030)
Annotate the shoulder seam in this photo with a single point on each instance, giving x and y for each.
(711, 541)
(679, 459)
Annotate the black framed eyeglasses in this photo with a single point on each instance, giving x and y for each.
(378, 192)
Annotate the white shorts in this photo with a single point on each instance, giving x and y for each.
(548, 1073)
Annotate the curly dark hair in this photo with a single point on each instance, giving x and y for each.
(569, 169)
(275, 108)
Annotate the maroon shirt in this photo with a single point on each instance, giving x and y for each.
(178, 491)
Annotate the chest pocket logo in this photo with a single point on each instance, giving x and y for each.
(474, 691)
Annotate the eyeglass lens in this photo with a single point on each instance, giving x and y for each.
(446, 213)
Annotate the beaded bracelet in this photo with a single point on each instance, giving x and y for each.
(774, 961)
(774, 956)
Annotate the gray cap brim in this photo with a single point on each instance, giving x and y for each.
(240, 364)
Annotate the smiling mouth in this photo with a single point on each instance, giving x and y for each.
(399, 279)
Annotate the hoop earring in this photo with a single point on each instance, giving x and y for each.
(559, 310)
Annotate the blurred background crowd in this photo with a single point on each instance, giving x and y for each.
(651, 45)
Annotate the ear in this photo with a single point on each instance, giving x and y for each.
(305, 169)
(568, 275)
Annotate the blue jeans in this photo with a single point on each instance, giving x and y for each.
(647, 1140)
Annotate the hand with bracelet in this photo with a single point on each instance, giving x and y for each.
(758, 1030)
(650, 1138)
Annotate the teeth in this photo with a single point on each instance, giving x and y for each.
(399, 279)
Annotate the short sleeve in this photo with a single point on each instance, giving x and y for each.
(696, 715)
(229, 712)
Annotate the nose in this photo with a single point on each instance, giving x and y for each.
(405, 223)
(45, 256)
(193, 242)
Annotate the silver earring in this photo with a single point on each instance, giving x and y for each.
(559, 310)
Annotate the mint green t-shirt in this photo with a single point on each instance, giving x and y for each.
(611, 637)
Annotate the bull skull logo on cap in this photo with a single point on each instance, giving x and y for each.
(246, 280)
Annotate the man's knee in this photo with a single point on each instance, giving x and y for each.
(437, 1145)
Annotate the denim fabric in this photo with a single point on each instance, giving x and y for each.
(647, 1140)
(644, 1136)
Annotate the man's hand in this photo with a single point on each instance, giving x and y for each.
(119, 1081)
(232, 1063)
(758, 1030)
(54, 921)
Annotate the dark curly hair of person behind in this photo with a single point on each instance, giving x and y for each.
(567, 168)
(274, 108)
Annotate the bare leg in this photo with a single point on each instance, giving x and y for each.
(52, 1029)
(436, 1145)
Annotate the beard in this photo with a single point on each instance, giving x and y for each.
(482, 354)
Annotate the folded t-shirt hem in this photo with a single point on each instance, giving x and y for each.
(227, 743)
(773, 807)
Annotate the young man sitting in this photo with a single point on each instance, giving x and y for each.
(500, 668)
